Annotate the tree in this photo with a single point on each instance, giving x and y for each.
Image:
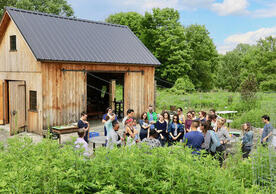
(58, 7)
(164, 36)
(204, 57)
(131, 19)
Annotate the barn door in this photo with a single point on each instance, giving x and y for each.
(1, 102)
(17, 106)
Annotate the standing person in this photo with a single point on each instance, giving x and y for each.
(175, 131)
(181, 115)
(108, 123)
(194, 138)
(201, 116)
(113, 138)
(267, 131)
(161, 127)
(152, 140)
(222, 133)
(83, 124)
(213, 112)
(152, 117)
(188, 121)
(80, 143)
(145, 127)
(247, 140)
(108, 113)
(130, 114)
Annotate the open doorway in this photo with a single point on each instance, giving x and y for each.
(102, 93)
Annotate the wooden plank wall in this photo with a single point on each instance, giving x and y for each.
(64, 92)
(21, 65)
(1, 102)
(64, 95)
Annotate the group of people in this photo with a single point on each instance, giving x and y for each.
(202, 132)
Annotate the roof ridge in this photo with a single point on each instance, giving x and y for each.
(62, 17)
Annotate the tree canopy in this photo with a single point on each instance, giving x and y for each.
(182, 51)
(58, 7)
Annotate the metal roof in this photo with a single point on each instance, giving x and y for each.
(57, 38)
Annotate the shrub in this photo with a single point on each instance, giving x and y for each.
(182, 86)
(48, 168)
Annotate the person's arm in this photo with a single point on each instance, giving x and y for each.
(181, 130)
(130, 132)
(265, 138)
(226, 135)
(170, 130)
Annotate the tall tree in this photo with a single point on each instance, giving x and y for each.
(204, 57)
(164, 36)
(131, 19)
(58, 7)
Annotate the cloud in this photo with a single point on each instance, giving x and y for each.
(233, 7)
(269, 11)
(246, 38)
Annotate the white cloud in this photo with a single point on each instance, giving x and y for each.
(247, 38)
(227, 7)
(265, 13)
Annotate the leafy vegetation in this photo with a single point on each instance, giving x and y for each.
(58, 7)
(47, 167)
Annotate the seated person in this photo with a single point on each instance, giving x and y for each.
(175, 130)
(80, 143)
(194, 139)
(152, 140)
(113, 139)
(188, 121)
(130, 133)
(83, 124)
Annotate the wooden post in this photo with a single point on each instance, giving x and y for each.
(155, 93)
(112, 91)
(1, 102)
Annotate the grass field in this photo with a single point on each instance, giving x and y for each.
(264, 103)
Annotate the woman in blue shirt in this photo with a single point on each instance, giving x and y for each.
(175, 131)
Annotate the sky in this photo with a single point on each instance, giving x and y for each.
(229, 22)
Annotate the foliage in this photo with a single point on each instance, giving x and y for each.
(131, 19)
(48, 168)
(182, 86)
(257, 60)
(58, 7)
(204, 57)
(181, 51)
(248, 89)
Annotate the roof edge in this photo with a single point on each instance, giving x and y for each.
(62, 17)
(87, 62)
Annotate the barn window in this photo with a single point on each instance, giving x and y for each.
(13, 43)
(33, 101)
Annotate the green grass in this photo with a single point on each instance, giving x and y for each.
(265, 103)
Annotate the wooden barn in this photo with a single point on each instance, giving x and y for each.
(52, 68)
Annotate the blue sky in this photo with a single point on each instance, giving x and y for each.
(229, 22)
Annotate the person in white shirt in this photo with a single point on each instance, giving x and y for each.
(80, 143)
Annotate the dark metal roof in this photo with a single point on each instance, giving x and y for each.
(57, 38)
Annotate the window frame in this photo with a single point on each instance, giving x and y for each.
(31, 108)
(13, 43)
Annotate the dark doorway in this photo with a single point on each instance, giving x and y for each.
(101, 93)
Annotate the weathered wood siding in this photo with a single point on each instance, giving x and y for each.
(64, 92)
(21, 65)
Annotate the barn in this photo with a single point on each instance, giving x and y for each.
(52, 68)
